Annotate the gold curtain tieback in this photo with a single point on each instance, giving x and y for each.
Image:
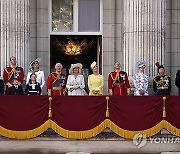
(164, 106)
(50, 112)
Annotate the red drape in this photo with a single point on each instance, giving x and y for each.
(135, 113)
(21, 113)
(173, 110)
(83, 113)
(78, 113)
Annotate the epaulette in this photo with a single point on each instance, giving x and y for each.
(123, 72)
(18, 67)
(53, 73)
(7, 70)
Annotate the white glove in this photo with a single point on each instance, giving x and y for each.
(76, 86)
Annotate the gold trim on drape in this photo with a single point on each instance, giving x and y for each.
(25, 134)
(78, 134)
(173, 130)
(130, 134)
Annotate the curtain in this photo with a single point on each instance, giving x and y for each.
(89, 16)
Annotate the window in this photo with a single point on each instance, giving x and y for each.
(62, 15)
(89, 16)
(76, 16)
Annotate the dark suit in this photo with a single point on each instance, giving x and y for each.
(177, 80)
(1, 87)
(15, 91)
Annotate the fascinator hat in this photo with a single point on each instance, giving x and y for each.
(31, 64)
(140, 63)
(93, 64)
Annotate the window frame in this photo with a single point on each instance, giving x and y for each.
(75, 21)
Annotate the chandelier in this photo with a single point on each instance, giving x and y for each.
(73, 48)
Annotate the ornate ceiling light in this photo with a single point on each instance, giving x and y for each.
(72, 48)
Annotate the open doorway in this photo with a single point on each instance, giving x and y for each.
(70, 49)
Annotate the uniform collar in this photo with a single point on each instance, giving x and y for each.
(13, 66)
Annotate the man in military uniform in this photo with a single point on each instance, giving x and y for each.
(177, 80)
(162, 82)
(13, 72)
(56, 81)
(1, 87)
(118, 83)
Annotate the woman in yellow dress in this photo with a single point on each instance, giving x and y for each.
(95, 81)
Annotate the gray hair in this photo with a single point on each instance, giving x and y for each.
(58, 64)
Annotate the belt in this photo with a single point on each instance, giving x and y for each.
(57, 88)
(118, 84)
(162, 88)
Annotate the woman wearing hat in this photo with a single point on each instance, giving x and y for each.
(162, 82)
(140, 80)
(34, 67)
(75, 82)
(95, 81)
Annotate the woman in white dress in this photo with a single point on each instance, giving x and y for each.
(140, 80)
(75, 82)
(34, 68)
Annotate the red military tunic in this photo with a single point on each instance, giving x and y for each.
(10, 73)
(55, 84)
(118, 83)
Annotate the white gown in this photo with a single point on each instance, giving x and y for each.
(39, 78)
(78, 82)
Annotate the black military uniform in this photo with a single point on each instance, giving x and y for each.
(1, 87)
(162, 85)
(177, 80)
(162, 82)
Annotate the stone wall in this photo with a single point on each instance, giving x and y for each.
(39, 33)
(112, 36)
(173, 40)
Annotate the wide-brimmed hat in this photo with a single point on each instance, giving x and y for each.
(93, 64)
(37, 59)
(79, 65)
(140, 63)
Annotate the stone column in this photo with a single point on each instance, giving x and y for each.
(109, 27)
(144, 34)
(14, 32)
